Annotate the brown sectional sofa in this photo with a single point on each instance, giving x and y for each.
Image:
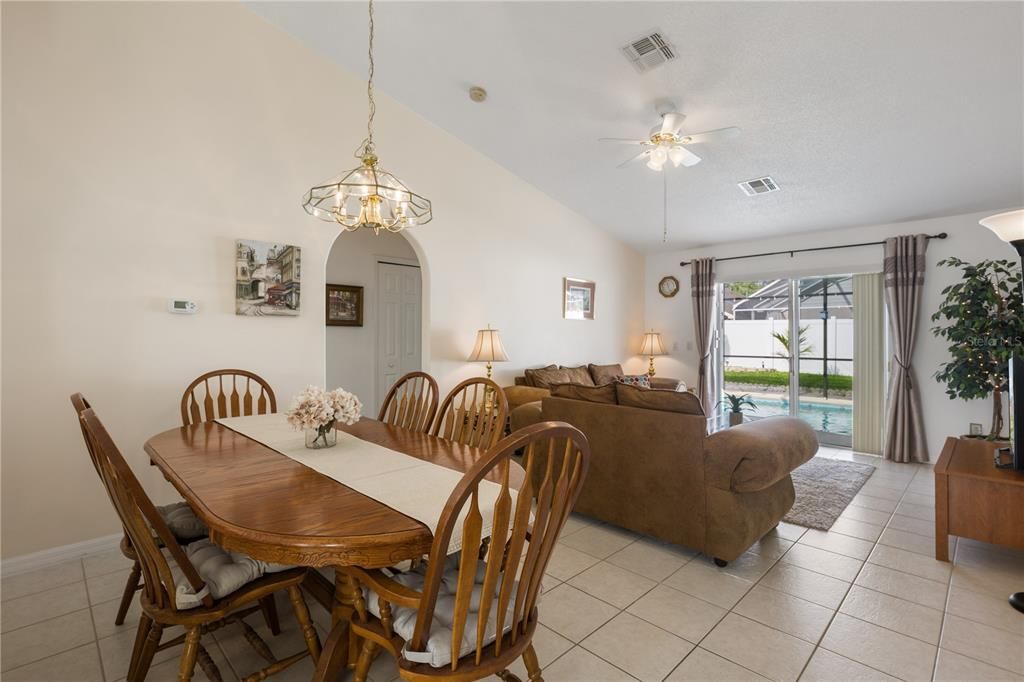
(655, 471)
(535, 384)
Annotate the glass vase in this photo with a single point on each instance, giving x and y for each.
(323, 437)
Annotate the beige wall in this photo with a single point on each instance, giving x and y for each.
(142, 139)
(967, 240)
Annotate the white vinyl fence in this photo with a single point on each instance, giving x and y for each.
(754, 337)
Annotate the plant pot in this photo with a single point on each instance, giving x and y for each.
(324, 437)
(735, 418)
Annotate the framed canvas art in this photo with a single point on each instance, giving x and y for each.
(578, 299)
(344, 305)
(267, 278)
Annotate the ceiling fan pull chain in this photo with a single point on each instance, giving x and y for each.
(664, 208)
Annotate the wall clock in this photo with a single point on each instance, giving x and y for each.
(668, 286)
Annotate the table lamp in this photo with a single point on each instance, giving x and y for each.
(488, 348)
(1009, 227)
(652, 346)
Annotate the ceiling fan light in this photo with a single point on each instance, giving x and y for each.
(676, 155)
(654, 164)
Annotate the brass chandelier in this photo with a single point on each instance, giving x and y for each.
(367, 196)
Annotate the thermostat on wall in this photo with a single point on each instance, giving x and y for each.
(182, 306)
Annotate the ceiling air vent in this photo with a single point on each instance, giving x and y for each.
(758, 186)
(648, 52)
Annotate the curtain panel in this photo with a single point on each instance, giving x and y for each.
(904, 270)
(702, 288)
(868, 363)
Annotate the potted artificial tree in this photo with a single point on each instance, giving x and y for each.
(736, 405)
(982, 318)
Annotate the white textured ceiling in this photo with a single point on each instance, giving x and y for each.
(863, 112)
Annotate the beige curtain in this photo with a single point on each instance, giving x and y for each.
(904, 282)
(702, 288)
(868, 363)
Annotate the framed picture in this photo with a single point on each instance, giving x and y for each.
(267, 278)
(578, 299)
(344, 305)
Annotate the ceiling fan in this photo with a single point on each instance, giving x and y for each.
(668, 143)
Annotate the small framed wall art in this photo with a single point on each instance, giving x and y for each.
(344, 305)
(267, 278)
(578, 299)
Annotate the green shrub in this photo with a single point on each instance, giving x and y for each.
(836, 382)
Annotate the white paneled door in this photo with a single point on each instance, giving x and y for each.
(399, 312)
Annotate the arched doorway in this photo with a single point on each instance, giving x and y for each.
(368, 349)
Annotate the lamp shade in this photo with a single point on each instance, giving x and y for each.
(488, 347)
(1008, 226)
(652, 344)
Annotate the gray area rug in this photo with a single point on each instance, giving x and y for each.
(824, 487)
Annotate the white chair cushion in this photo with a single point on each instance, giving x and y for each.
(222, 571)
(438, 649)
(182, 521)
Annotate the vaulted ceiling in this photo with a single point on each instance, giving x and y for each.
(862, 112)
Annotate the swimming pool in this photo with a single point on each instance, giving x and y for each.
(837, 419)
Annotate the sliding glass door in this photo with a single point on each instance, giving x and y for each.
(825, 381)
(789, 344)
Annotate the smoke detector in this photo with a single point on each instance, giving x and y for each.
(649, 51)
(758, 186)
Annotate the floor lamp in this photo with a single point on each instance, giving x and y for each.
(1010, 228)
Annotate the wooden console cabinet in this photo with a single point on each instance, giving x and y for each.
(974, 499)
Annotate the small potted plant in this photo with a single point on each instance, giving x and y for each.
(317, 412)
(736, 405)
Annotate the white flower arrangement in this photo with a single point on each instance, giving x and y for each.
(319, 410)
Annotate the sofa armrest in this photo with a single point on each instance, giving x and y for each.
(520, 395)
(666, 383)
(526, 415)
(753, 456)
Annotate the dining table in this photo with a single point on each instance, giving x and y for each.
(257, 501)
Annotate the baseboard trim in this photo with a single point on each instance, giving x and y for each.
(57, 555)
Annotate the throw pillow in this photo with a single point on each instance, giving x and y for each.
(658, 399)
(579, 375)
(530, 372)
(543, 378)
(591, 394)
(642, 380)
(604, 374)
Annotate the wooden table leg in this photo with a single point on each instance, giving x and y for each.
(941, 517)
(341, 650)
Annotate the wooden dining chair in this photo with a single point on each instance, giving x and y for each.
(411, 403)
(192, 529)
(231, 393)
(226, 393)
(473, 413)
(471, 615)
(170, 577)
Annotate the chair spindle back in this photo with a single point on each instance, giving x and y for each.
(562, 452)
(473, 414)
(216, 395)
(411, 403)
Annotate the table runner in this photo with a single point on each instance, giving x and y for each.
(412, 486)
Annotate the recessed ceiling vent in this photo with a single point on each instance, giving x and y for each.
(649, 52)
(758, 186)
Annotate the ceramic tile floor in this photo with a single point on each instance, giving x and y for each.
(865, 600)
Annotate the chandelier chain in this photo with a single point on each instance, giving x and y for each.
(367, 145)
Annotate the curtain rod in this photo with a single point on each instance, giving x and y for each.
(791, 252)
